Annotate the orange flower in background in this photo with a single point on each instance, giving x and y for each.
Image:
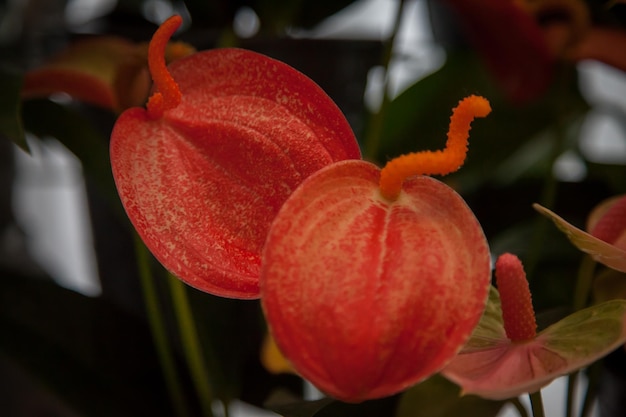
(522, 40)
(104, 71)
(573, 35)
(511, 43)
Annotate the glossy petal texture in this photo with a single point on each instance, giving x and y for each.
(493, 367)
(612, 255)
(367, 296)
(203, 183)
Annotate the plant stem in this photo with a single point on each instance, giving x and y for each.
(536, 402)
(371, 143)
(571, 393)
(157, 327)
(191, 344)
(548, 198)
(519, 406)
(581, 295)
(550, 186)
(583, 282)
(594, 372)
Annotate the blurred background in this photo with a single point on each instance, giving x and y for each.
(75, 334)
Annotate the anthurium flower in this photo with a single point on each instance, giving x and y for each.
(521, 40)
(607, 45)
(225, 139)
(511, 43)
(505, 357)
(371, 279)
(605, 240)
(105, 71)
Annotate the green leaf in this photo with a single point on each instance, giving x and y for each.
(609, 285)
(490, 329)
(231, 341)
(10, 105)
(437, 397)
(603, 252)
(588, 334)
(418, 119)
(494, 367)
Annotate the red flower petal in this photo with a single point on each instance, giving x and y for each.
(203, 183)
(367, 296)
(609, 222)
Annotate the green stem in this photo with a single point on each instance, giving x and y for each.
(191, 344)
(583, 282)
(519, 406)
(550, 186)
(159, 334)
(571, 393)
(594, 372)
(548, 198)
(374, 129)
(536, 402)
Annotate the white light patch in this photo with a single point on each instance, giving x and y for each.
(50, 205)
(79, 12)
(157, 10)
(246, 23)
(569, 167)
(603, 139)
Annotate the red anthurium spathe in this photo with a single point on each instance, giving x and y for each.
(505, 358)
(104, 71)
(225, 139)
(372, 280)
(606, 240)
